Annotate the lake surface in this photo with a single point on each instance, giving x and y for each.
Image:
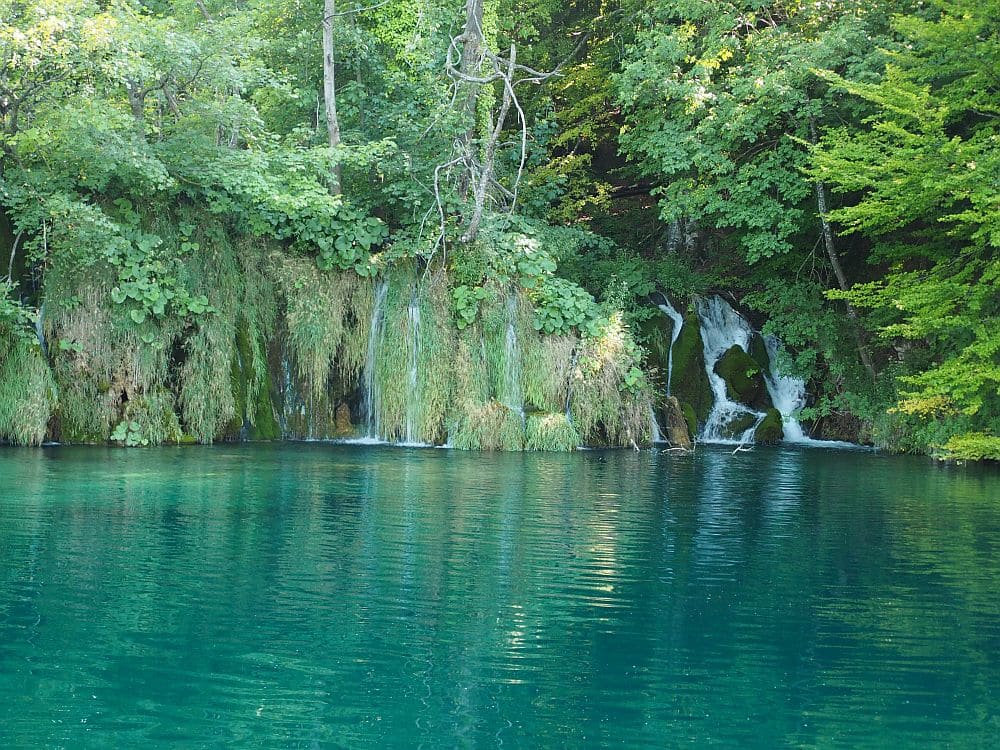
(314, 596)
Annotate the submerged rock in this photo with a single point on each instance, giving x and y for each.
(770, 430)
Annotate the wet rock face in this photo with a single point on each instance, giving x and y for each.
(770, 430)
(689, 382)
(735, 428)
(343, 426)
(744, 378)
(678, 434)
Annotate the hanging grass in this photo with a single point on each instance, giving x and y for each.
(27, 392)
(414, 372)
(548, 368)
(436, 369)
(149, 420)
(102, 358)
(317, 305)
(487, 427)
(207, 391)
(550, 432)
(606, 409)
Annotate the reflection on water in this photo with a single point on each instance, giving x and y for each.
(320, 596)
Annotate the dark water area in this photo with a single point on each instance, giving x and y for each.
(315, 596)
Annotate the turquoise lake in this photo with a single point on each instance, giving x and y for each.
(315, 596)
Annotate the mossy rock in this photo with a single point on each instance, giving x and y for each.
(688, 411)
(689, 382)
(735, 428)
(758, 350)
(744, 378)
(770, 430)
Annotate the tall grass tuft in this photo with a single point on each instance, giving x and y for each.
(605, 408)
(27, 391)
(550, 432)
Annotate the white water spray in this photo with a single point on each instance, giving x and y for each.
(667, 309)
(787, 393)
(722, 328)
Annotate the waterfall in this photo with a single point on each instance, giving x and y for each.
(788, 394)
(721, 328)
(654, 427)
(375, 333)
(667, 309)
(412, 394)
(513, 397)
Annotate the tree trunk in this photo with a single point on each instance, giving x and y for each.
(472, 58)
(490, 152)
(831, 250)
(137, 103)
(329, 91)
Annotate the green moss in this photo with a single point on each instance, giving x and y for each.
(744, 378)
(655, 333)
(770, 430)
(739, 425)
(689, 382)
(692, 421)
(550, 432)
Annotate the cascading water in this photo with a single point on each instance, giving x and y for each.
(721, 328)
(654, 427)
(412, 393)
(375, 333)
(513, 397)
(667, 309)
(788, 394)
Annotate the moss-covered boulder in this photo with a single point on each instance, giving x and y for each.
(744, 378)
(689, 382)
(770, 430)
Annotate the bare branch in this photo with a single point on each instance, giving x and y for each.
(354, 11)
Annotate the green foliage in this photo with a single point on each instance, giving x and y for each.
(561, 306)
(466, 301)
(917, 175)
(972, 446)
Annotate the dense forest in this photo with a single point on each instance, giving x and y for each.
(434, 221)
